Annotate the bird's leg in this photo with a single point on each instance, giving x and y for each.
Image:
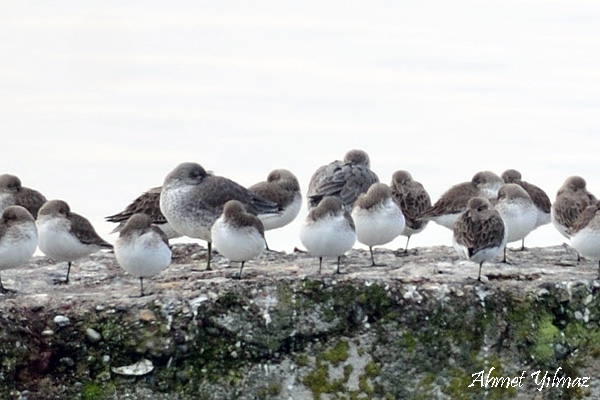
(141, 287)
(64, 282)
(406, 248)
(208, 256)
(504, 258)
(373, 264)
(239, 275)
(523, 248)
(320, 264)
(372, 257)
(338, 264)
(479, 277)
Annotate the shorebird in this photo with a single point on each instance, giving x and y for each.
(192, 200)
(18, 238)
(142, 249)
(454, 201)
(238, 235)
(518, 212)
(479, 233)
(12, 193)
(328, 231)
(65, 235)
(342, 179)
(147, 203)
(538, 196)
(585, 233)
(377, 217)
(282, 188)
(413, 200)
(571, 200)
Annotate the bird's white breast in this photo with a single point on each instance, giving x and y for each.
(379, 225)
(330, 236)
(142, 255)
(237, 244)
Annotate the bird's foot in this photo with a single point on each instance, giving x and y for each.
(378, 265)
(519, 249)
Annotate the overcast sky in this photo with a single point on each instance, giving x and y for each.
(99, 101)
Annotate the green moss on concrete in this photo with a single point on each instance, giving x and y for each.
(417, 349)
(319, 381)
(97, 391)
(545, 341)
(271, 391)
(302, 360)
(337, 354)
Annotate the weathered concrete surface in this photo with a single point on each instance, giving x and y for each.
(417, 328)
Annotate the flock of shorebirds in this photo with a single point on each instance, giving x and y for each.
(346, 203)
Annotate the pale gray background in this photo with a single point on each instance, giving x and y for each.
(99, 101)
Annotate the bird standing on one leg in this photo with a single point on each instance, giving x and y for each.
(142, 249)
(65, 235)
(479, 233)
(238, 235)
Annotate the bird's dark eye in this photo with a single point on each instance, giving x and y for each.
(481, 208)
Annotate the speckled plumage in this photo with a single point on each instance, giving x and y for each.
(585, 233)
(342, 179)
(479, 233)
(571, 200)
(413, 200)
(147, 203)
